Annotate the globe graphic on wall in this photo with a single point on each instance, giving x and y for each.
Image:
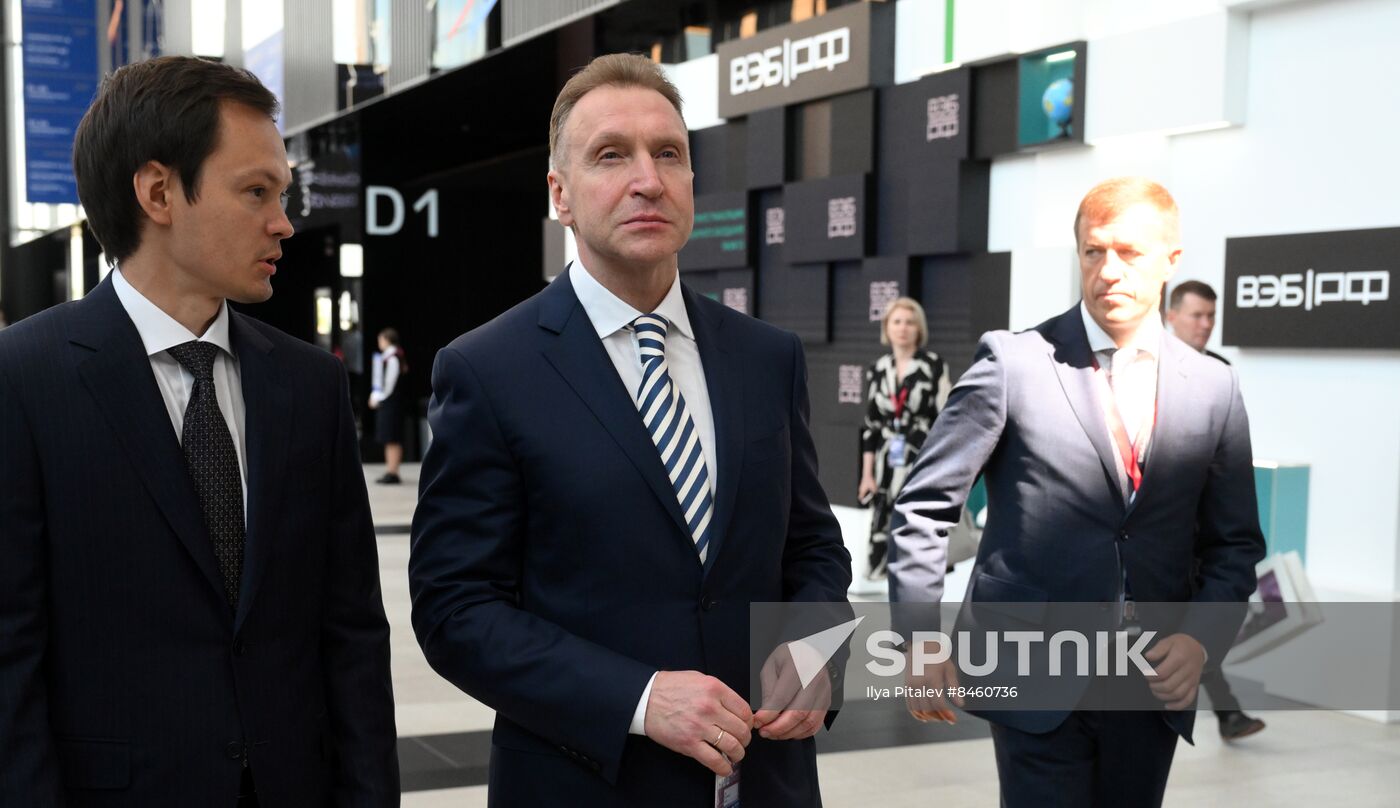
(1058, 103)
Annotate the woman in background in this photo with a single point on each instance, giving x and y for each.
(387, 400)
(905, 389)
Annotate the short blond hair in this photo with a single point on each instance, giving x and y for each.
(610, 70)
(1113, 196)
(919, 319)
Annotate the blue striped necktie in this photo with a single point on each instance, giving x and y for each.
(664, 413)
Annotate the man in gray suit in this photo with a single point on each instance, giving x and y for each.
(1103, 440)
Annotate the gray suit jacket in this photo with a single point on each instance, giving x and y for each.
(1059, 528)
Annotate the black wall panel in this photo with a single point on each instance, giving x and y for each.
(948, 207)
(720, 238)
(719, 155)
(834, 136)
(732, 287)
(860, 292)
(827, 220)
(768, 155)
(995, 115)
(797, 297)
(964, 296)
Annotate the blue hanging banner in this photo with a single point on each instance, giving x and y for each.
(60, 79)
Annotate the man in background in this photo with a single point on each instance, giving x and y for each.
(1191, 315)
(1119, 471)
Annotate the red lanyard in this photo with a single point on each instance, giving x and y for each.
(1128, 450)
(897, 401)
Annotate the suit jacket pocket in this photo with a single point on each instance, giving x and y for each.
(95, 763)
(1007, 598)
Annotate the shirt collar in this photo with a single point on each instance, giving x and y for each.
(161, 332)
(610, 314)
(1148, 337)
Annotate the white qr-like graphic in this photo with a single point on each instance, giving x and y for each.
(775, 230)
(882, 294)
(850, 384)
(841, 217)
(737, 298)
(943, 117)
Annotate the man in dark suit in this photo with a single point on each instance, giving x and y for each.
(1191, 315)
(1103, 441)
(190, 612)
(619, 467)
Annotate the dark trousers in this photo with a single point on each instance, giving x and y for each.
(1096, 759)
(1216, 686)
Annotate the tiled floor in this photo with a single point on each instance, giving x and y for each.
(1314, 759)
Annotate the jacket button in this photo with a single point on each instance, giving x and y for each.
(239, 648)
(706, 603)
(234, 750)
(1122, 535)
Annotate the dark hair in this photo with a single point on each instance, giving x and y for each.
(391, 335)
(1196, 288)
(164, 109)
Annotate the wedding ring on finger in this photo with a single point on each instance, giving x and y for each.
(718, 738)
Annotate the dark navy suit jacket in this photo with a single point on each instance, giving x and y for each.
(125, 680)
(551, 570)
(1059, 528)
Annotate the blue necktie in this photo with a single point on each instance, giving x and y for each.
(664, 413)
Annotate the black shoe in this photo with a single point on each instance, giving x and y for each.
(389, 479)
(1234, 725)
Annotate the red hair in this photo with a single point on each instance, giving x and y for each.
(1111, 197)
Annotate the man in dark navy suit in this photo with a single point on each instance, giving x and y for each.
(619, 468)
(1119, 471)
(190, 612)
(1191, 315)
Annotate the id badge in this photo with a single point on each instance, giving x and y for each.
(896, 456)
(727, 789)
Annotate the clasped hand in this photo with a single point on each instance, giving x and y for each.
(700, 717)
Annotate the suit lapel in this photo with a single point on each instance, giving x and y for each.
(117, 372)
(725, 385)
(1073, 362)
(576, 354)
(1171, 383)
(268, 413)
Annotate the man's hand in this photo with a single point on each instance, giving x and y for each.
(790, 711)
(936, 677)
(700, 717)
(1178, 660)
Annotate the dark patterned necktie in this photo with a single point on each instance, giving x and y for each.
(213, 463)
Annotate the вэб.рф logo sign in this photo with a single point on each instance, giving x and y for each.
(1310, 289)
(783, 64)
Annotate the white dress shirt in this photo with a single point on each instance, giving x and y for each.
(1133, 372)
(159, 332)
(384, 376)
(612, 319)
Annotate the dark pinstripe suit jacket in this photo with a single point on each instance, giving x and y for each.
(124, 678)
